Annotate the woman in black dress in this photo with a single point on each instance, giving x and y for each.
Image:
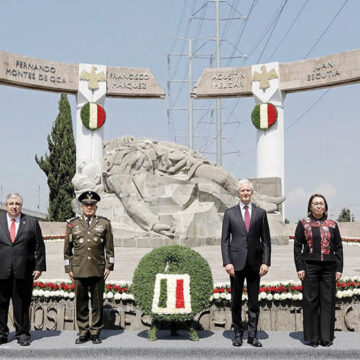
(318, 258)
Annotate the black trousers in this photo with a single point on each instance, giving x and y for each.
(237, 283)
(94, 286)
(20, 291)
(319, 288)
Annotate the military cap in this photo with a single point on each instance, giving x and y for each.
(89, 197)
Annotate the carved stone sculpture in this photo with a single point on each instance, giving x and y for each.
(158, 192)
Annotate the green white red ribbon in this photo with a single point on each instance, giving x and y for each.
(264, 116)
(177, 296)
(92, 116)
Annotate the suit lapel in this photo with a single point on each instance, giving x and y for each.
(4, 225)
(239, 215)
(22, 224)
(253, 214)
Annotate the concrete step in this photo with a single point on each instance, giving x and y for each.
(212, 345)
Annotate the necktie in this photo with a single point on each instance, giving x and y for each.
(88, 222)
(247, 218)
(12, 230)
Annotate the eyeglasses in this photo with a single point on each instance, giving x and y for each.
(318, 203)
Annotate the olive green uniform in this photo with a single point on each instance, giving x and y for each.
(88, 251)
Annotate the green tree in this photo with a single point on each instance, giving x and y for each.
(60, 164)
(345, 216)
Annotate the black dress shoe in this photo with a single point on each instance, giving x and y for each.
(81, 340)
(96, 339)
(313, 344)
(326, 343)
(254, 342)
(237, 340)
(3, 340)
(24, 341)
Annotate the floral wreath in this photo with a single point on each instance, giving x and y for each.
(92, 116)
(264, 116)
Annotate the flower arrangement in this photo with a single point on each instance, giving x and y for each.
(264, 116)
(172, 294)
(346, 240)
(53, 237)
(92, 116)
(55, 289)
(64, 289)
(172, 284)
(348, 287)
(118, 290)
(351, 241)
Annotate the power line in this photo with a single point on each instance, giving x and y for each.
(274, 26)
(308, 109)
(326, 29)
(328, 90)
(266, 31)
(183, 46)
(243, 29)
(288, 30)
(274, 23)
(181, 19)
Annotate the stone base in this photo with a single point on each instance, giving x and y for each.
(278, 230)
(275, 316)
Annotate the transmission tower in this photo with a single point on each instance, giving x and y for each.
(191, 54)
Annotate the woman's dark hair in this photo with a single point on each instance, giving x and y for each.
(312, 198)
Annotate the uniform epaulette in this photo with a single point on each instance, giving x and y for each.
(72, 219)
(102, 217)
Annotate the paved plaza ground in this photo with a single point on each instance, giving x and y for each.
(126, 260)
(212, 345)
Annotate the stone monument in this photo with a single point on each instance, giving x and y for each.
(158, 193)
(90, 83)
(269, 83)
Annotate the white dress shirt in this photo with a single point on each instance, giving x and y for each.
(242, 209)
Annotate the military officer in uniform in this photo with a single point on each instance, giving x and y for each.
(88, 259)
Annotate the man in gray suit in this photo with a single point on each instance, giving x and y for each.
(246, 252)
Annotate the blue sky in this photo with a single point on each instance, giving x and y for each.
(321, 148)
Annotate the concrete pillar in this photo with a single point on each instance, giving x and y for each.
(89, 143)
(270, 143)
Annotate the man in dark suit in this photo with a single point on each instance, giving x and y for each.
(246, 252)
(88, 259)
(22, 253)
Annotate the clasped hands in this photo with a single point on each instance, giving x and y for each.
(301, 275)
(106, 274)
(231, 270)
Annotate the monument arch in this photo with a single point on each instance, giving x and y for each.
(269, 83)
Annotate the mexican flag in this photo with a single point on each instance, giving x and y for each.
(92, 116)
(264, 116)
